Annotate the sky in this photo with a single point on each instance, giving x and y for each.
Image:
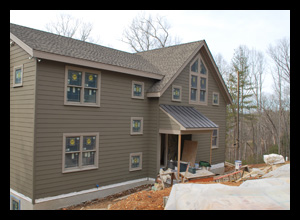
(223, 30)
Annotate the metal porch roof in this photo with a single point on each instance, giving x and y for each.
(188, 117)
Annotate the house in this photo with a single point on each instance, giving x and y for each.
(87, 121)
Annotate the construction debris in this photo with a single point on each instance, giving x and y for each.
(260, 194)
(148, 199)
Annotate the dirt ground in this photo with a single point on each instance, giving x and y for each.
(140, 198)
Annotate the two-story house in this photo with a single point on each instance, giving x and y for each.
(87, 121)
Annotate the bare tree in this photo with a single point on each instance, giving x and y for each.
(280, 54)
(68, 26)
(146, 33)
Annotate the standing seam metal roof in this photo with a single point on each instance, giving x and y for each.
(188, 116)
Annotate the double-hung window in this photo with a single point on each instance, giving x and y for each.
(80, 151)
(198, 82)
(82, 87)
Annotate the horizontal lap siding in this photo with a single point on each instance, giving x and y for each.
(215, 113)
(22, 100)
(111, 120)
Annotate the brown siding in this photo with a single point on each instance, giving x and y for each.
(22, 123)
(215, 113)
(111, 120)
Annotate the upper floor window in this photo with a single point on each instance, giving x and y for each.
(215, 99)
(82, 87)
(137, 90)
(18, 76)
(176, 93)
(198, 82)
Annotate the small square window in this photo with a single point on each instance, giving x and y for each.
(215, 98)
(135, 161)
(176, 93)
(15, 204)
(18, 76)
(137, 90)
(74, 78)
(136, 125)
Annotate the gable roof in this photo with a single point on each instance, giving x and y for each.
(163, 64)
(169, 61)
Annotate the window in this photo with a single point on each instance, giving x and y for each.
(15, 204)
(82, 87)
(80, 151)
(215, 99)
(198, 82)
(176, 93)
(137, 90)
(136, 125)
(18, 76)
(135, 161)
(215, 139)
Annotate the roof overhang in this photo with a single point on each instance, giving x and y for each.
(77, 61)
(189, 119)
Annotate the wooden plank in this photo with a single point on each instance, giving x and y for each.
(189, 152)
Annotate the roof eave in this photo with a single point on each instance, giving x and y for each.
(93, 64)
(83, 62)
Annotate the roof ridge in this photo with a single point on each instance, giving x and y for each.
(175, 45)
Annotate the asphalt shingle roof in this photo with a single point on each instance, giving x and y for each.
(188, 116)
(164, 61)
(57, 44)
(168, 60)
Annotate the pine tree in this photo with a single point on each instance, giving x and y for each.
(240, 65)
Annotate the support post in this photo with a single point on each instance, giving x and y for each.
(211, 136)
(179, 150)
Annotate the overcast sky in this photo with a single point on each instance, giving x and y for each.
(223, 31)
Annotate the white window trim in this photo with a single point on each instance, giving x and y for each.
(132, 94)
(80, 168)
(141, 161)
(82, 103)
(176, 87)
(131, 124)
(199, 76)
(216, 146)
(14, 76)
(215, 93)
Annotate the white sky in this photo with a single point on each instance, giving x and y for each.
(223, 31)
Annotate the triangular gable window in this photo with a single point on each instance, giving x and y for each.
(194, 67)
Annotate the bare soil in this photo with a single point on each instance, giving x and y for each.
(141, 197)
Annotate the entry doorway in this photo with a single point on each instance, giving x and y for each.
(169, 147)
